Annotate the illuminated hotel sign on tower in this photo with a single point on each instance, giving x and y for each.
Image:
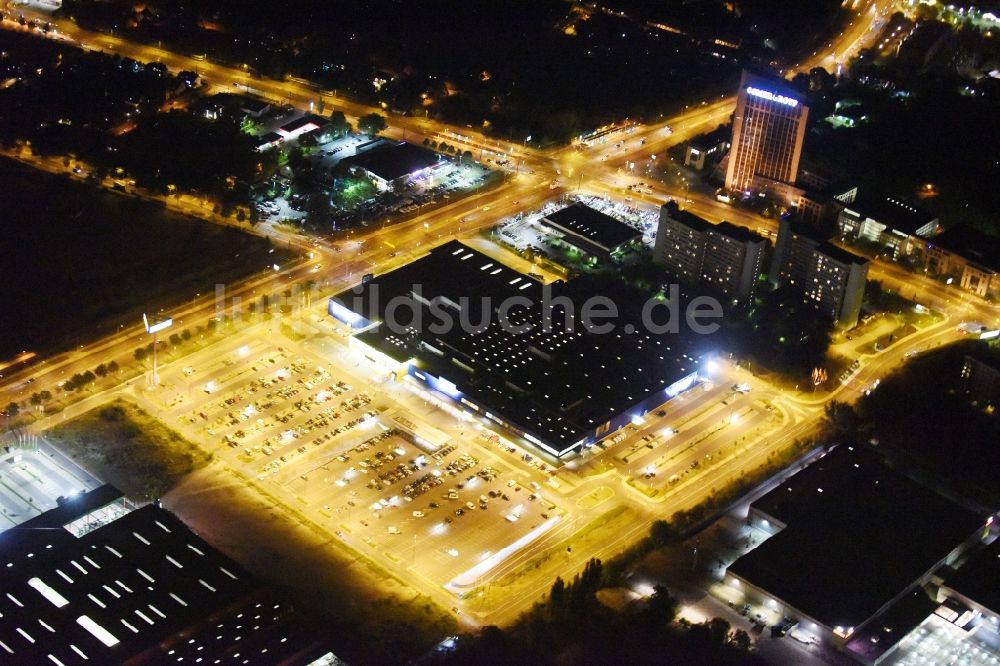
(768, 130)
(780, 99)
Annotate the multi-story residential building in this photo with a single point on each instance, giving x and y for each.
(727, 257)
(830, 278)
(768, 129)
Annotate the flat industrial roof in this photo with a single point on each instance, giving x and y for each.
(979, 578)
(712, 139)
(558, 385)
(309, 118)
(971, 244)
(895, 213)
(593, 225)
(858, 534)
(126, 588)
(390, 161)
(270, 137)
(253, 104)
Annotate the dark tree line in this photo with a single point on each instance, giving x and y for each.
(573, 626)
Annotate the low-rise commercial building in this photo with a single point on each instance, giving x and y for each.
(974, 595)
(707, 148)
(590, 231)
(390, 166)
(724, 256)
(830, 278)
(967, 256)
(511, 350)
(307, 123)
(894, 224)
(851, 538)
(254, 107)
(268, 141)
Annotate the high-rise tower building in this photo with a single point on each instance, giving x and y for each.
(768, 128)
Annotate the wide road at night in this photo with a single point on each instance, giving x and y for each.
(699, 442)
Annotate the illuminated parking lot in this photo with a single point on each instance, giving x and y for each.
(411, 496)
(30, 483)
(938, 641)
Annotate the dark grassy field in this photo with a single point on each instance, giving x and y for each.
(125, 446)
(76, 262)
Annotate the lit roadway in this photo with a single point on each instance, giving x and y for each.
(705, 440)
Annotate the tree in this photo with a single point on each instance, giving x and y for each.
(45, 396)
(11, 410)
(112, 367)
(840, 421)
(318, 209)
(35, 399)
(338, 123)
(186, 334)
(175, 339)
(659, 609)
(663, 533)
(371, 124)
(557, 595)
(741, 640)
(101, 370)
(139, 354)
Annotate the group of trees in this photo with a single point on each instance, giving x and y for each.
(175, 340)
(448, 148)
(79, 380)
(572, 626)
(923, 414)
(180, 151)
(371, 124)
(783, 333)
(106, 111)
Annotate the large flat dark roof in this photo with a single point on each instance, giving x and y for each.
(556, 385)
(972, 244)
(593, 225)
(713, 138)
(858, 534)
(390, 161)
(979, 578)
(895, 213)
(309, 118)
(144, 578)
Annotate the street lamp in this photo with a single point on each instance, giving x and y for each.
(153, 329)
